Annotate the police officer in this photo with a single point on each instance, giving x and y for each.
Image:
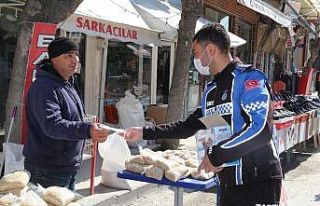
(240, 95)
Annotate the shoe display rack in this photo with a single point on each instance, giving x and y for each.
(296, 118)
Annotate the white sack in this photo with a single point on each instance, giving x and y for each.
(114, 152)
(130, 111)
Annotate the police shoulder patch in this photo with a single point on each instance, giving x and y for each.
(251, 84)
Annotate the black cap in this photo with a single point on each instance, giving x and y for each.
(60, 46)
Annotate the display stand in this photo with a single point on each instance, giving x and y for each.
(178, 186)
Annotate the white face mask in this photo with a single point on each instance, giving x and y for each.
(204, 70)
(201, 69)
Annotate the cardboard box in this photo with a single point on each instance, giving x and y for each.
(157, 112)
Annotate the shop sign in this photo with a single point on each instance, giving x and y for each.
(267, 10)
(43, 34)
(108, 29)
(105, 28)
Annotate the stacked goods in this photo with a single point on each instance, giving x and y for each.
(32, 199)
(58, 196)
(15, 183)
(201, 175)
(8, 200)
(14, 191)
(172, 164)
(155, 172)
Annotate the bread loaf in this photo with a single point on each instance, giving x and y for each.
(136, 159)
(177, 172)
(201, 175)
(59, 196)
(165, 164)
(8, 200)
(154, 172)
(32, 199)
(136, 168)
(14, 181)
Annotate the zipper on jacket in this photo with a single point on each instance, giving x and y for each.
(255, 171)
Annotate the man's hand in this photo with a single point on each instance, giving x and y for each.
(133, 134)
(98, 134)
(208, 167)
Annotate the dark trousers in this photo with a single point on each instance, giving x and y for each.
(47, 177)
(265, 193)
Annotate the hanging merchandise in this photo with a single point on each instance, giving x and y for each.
(130, 111)
(111, 114)
(304, 83)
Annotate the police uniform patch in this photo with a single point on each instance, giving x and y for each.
(251, 84)
(224, 95)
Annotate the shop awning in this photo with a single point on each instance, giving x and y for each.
(267, 10)
(294, 11)
(310, 9)
(112, 19)
(161, 16)
(165, 16)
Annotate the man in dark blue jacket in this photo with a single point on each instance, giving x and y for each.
(55, 115)
(240, 95)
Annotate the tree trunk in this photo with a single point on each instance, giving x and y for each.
(191, 10)
(34, 11)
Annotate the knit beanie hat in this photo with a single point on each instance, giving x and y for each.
(60, 46)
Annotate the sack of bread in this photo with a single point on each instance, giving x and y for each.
(8, 200)
(74, 204)
(191, 163)
(176, 173)
(59, 196)
(154, 172)
(174, 158)
(136, 159)
(150, 159)
(14, 181)
(32, 199)
(165, 164)
(18, 192)
(136, 168)
(201, 175)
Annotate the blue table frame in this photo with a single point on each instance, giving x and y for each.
(178, 186)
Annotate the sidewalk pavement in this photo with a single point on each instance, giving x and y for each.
(302, 178)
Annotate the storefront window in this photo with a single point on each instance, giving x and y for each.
(216, 16)
(128, 68)
(244, 52)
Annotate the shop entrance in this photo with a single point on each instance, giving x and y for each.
(163, 74)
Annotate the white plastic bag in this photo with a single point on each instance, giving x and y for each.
(14, 159)
(114, 152)
(130, 111)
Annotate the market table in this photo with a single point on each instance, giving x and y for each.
(178, 186)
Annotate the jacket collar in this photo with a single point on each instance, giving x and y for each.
(45, 69)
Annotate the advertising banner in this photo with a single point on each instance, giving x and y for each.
(43, 34)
